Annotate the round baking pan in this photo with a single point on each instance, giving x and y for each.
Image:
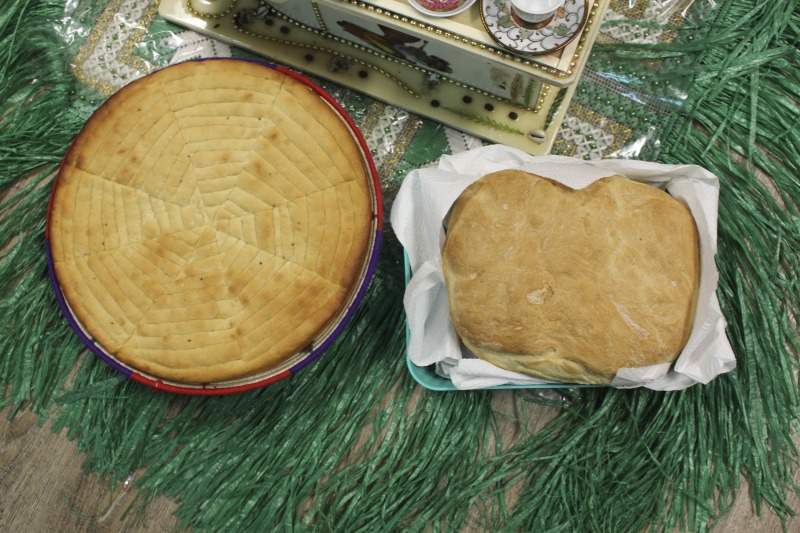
(323, 337)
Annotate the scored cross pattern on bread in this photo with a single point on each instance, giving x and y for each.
(210, 220)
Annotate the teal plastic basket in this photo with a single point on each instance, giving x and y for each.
(428, 378)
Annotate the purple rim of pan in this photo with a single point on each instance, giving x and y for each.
(62, 303)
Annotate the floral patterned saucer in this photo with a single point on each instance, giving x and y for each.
(519, 36)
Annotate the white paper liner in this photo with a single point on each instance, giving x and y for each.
(424, 200)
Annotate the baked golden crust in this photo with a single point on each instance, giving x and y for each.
(571, 285)
(210, 220)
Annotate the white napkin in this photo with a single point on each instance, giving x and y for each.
(424, 200)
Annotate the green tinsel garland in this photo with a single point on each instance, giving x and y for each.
(368, 450)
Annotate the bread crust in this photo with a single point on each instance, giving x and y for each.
(210, 220)
(571, 285)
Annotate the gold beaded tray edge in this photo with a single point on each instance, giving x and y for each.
(254, 25)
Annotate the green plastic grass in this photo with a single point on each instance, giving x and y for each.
(351, 443)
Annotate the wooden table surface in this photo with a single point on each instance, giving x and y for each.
(43, 488)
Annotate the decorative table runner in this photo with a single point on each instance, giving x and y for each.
(352, 443)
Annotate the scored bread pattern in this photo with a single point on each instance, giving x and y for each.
(210, 220)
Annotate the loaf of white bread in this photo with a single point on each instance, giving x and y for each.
(571, 285)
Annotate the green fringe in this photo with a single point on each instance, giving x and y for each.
(351, 443)
(744, 108)
(36, 125)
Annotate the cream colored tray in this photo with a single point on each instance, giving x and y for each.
(524, 112)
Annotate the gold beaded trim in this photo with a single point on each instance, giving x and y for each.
(542, 96)
(126, 56)
(400, 147)
(103, 22)
(318, 15)
(620, 132)
(385, 57)
(320, 49)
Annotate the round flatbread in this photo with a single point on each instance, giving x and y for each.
(212, 220)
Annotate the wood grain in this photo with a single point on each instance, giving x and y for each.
(43, 487)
